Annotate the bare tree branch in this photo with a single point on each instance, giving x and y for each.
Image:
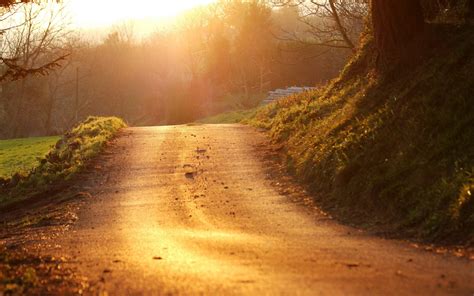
(16, 72)
(328, 23)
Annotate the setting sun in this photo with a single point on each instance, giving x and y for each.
(91, 13)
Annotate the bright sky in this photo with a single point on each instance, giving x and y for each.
(96, 13)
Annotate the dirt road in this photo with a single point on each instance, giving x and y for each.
(190, 210)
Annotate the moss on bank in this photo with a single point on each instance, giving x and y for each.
(395, 150)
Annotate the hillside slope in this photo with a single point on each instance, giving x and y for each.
(393, 151)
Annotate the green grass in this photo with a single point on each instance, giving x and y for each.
(392, 150)
(21, 155)
(229, 117)
(70, 154)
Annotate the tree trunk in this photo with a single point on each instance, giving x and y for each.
(398, 24)
(470, 9)
(18, 115)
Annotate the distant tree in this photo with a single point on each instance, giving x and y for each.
(251, 26)
(220, 58)
(63, 90)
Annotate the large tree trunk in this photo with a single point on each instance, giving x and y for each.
(397, 25)
(470, 7)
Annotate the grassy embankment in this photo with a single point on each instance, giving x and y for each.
(393, 151)
(65, 158)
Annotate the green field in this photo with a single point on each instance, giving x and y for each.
(20, 155)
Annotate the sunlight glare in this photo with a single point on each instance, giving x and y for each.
(93, 13)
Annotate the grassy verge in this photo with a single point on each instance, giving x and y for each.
(229, 117)
(21, 155)
(68, 156)
(392, 151)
